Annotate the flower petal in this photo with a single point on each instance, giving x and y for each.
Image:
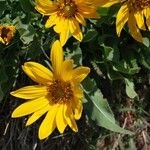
(147, 16)
(68, 114)
(60, 121)
(106, 3)
(75, 29)
(140, 20)
(67, 69)
(77, 108)
(80, 73)
(37, 72)
(36, 115)
(30, 107)
(78, 92)
(122, 18)
(45, 7)
(49, 123)
(57, 58)
(135, 32)
(30, 92)
(64, 34)
(80, 19)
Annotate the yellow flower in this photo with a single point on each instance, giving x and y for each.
(57, 93)
(134, 12)
(6, 33)
(66, 15)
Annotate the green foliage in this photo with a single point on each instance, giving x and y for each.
(116, 91)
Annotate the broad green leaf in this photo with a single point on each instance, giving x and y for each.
(130, 88)
(99, 111)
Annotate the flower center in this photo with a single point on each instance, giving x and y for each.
(4, 32)
(61, 92)
(138, 5)
(67, 9)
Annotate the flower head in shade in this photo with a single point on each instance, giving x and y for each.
(134, 12)
(6, 33)
(56, 94)
(66, 15)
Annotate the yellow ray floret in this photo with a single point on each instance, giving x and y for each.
(57, 93)
(6, 33)
(66, 15)
(136, 13)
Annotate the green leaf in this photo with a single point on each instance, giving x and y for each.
(3, 7)
(123, 67)
(103, 11)
(146, 42)
(99, 111)
(91, 34)
(26, 5)
(26, 31)
(130, 88)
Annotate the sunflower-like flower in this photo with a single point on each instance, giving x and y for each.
(57, 93)
(6, 33)
(66, 15)
(134, 12)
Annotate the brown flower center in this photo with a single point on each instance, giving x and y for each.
(60, 92)
(67, 9)
(138, 5)
(4, 32)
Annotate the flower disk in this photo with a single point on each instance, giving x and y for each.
(6, 33)
(61, 92)
(57, 93)
(138, 5)
(66, 15)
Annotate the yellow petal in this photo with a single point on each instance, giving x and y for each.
(68, 114)
(67, 69)
(30, 107)
(147, 16)
(122, 18)
(30, 92)
(45, 7)
(77, 108)
(135, 32)
(75, 29)
(106, 3)
(36, 115)
(37, 72)
(80, 73)
(140, 20)
(60, 121)
(78, 92)
(48, 124)
(57, 58)
(80, 19)
(64, 34)
(51, 21)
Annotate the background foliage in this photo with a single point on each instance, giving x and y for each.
(116, 91)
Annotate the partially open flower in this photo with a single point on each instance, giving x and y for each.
(6, 33)
(57, 93)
